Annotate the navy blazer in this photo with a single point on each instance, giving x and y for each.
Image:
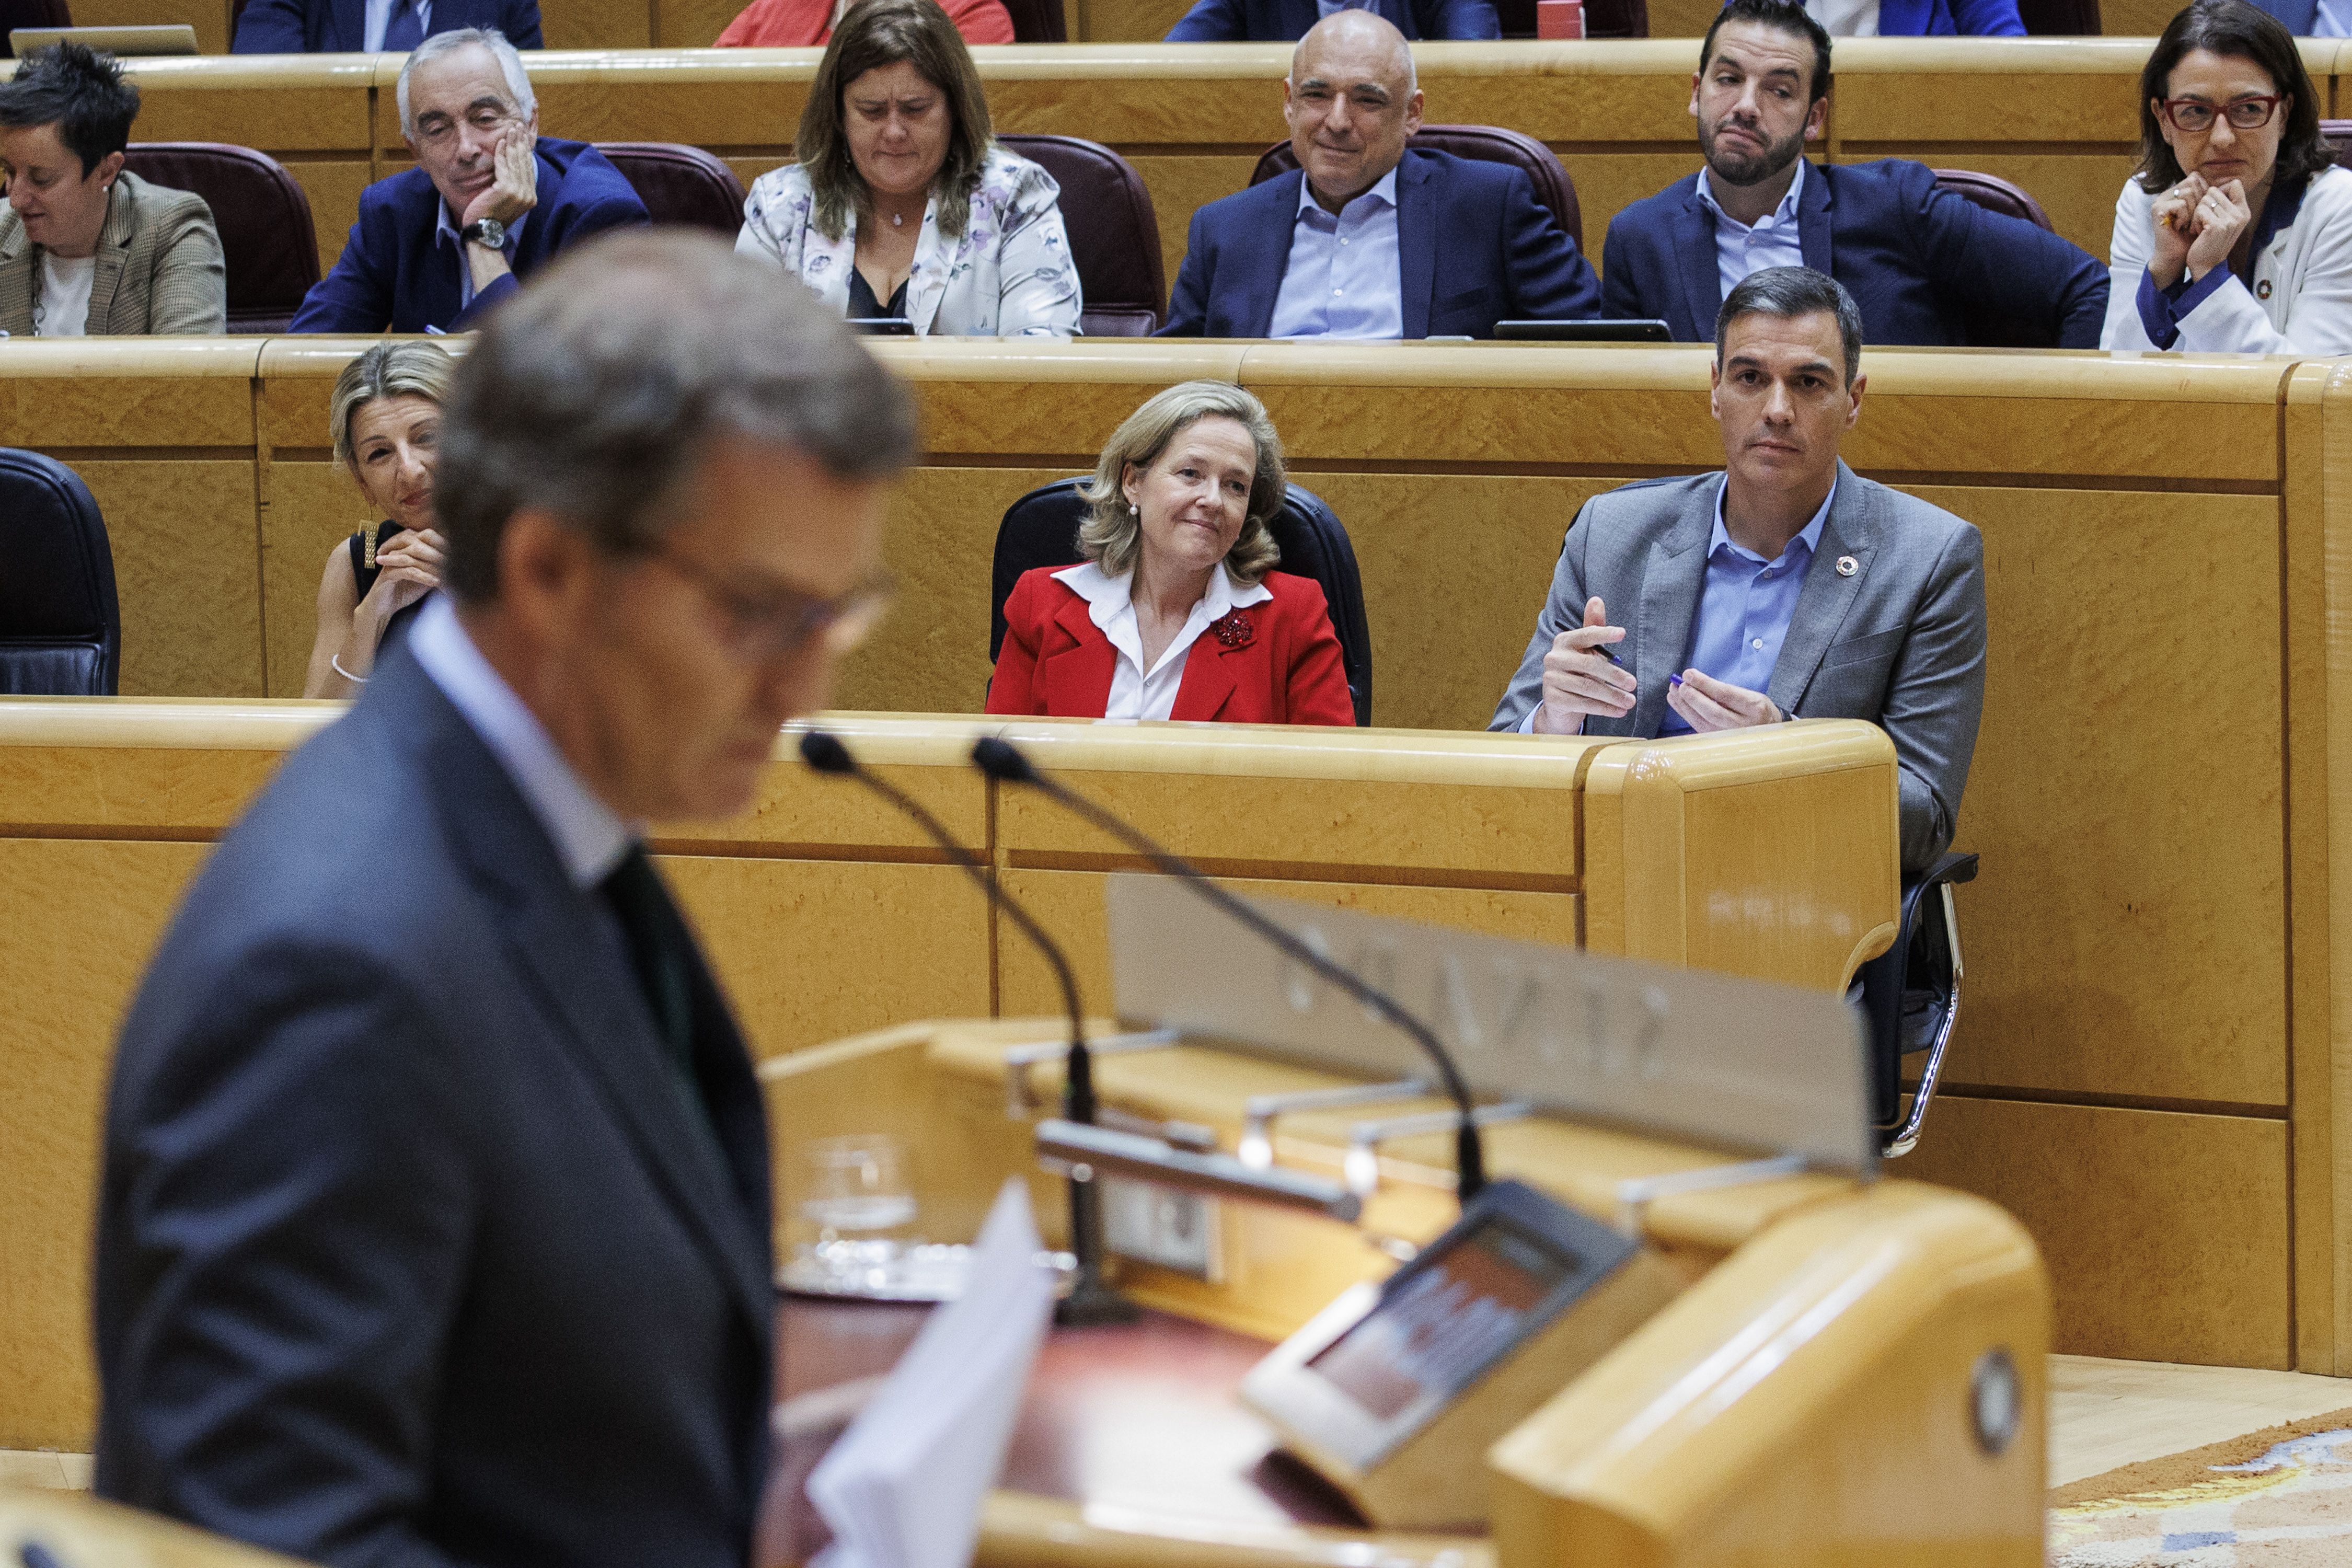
(1945, 18)
(1504, 256)
(340, 27)
(408, 1249)
(1915, 259)
(1286, 21)
(393, 275)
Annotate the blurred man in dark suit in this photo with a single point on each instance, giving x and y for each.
(435, 1222)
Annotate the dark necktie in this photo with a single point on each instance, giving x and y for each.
(656, 939)
(405, 30)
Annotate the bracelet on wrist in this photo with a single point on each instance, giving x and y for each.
(337, 660)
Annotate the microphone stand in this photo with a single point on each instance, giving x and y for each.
(1092, 1300)
(1004, 763)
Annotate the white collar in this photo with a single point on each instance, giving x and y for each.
(1781, 214)
(1110, 605)
(588, 835)
(1384, 190)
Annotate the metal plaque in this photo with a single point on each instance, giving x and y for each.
(1743, 1064)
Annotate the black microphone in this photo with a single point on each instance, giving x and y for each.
(1091, 1299)
(1003, 761)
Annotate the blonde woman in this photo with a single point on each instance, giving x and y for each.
(386, 417)
(903, 204)
(1177, 611)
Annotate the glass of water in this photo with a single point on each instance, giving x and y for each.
(855, 1187)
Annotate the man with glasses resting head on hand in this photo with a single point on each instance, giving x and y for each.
(489, 202)
(434, 1221)
(1785, 586)
(2235, 233)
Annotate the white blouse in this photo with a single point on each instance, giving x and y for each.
(2300, 302)
(1136, 692)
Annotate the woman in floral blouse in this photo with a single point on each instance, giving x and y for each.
(903, 204)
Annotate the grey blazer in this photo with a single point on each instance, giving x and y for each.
(1900, 642)
(158, 267)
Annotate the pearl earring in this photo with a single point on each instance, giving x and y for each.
(1132, 511)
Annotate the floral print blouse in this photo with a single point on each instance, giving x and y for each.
(1009, 276)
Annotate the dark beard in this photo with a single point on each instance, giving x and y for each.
(1753, 171)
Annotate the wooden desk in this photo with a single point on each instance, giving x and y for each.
(2057, 115)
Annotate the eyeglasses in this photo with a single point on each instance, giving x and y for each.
(761, 626)
(2194, 116)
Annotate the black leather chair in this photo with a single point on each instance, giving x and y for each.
(1040, 528)
(1911, 998)
(2060, 18)
(680, 185)
(1994, 193)
(1491, 144)
(2337, 135)
(267, 243)
(61, 631)
(1038, 21)
(1602, 18)
(1114, 233)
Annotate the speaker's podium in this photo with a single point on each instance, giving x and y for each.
(1688, 1323)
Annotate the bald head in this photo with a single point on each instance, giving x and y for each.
(1353, 99)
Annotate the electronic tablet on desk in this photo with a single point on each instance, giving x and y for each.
(122, 42)
(1395, 1390)
(883, 326)
(1630, 330)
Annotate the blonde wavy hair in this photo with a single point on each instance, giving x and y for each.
(1112, 536)
(387, 370)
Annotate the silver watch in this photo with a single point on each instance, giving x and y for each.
(487, 231)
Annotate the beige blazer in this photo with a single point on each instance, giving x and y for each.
(159, 266)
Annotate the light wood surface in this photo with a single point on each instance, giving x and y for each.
(2105, 1414)
(41, 1524)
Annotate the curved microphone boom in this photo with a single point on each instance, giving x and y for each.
(1003, 761)
(1091, 1299)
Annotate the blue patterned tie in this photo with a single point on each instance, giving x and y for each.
(405, 30)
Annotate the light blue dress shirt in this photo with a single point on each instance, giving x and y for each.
(1773, 240)
(445, 236)
(1745, 607)
(379, 17)
(1342, 280)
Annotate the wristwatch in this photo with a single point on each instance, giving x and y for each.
(487, 231)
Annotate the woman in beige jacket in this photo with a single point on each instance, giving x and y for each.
(87, 248)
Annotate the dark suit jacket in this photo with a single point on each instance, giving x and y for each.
(408, 1253)
(1914, 257)
(1286, 21)
(1474, 247)
(1900, 640)
(394, 275)
(1945, 18)
(1285, 670)
(340, 27)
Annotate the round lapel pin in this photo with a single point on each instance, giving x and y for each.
(2262, 289)
(1847, 566)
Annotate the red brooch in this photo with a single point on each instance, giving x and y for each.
(1233, 631)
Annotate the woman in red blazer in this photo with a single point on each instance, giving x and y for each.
(1176, 612)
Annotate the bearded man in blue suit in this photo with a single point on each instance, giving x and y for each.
(1366, 239)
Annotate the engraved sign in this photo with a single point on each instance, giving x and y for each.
(1740, 1063)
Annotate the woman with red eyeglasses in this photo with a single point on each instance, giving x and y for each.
(2235, 235)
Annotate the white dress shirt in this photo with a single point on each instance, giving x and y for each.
(588, 835)
(1343, 277)
(379, 17)
(1845, 18)
(1136, 692)
(63, 309)
(1773, 240)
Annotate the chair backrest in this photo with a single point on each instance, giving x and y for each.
(2060, 17)
(1491, 144)
(267, 243)
(14, 14)
(2337, 135)
(1602, 18)
(61, 630)
(680, 185)
(1114, 233)
(1038, 21)
(1994, 193)
(1040, 528)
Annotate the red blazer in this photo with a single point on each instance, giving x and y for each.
(1280, 666)
(800, 24)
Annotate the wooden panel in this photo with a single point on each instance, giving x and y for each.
(1070, 905)
(690, 23)
(184, 574)
(2136, 18)
(86, 393)
(72, 972)
(313, 508)
(2166, 1234)
(602, 25)
(333, 187)
(1123, 21)
(1180, 184)
(277, 103)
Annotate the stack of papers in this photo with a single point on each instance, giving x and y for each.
(903, 1486)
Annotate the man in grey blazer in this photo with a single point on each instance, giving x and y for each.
(434, 1224)
(1786, 586)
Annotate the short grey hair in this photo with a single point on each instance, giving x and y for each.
(387, 370)
(1111, 537)
(1791, 291)
(433, 48)
(595, 392)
